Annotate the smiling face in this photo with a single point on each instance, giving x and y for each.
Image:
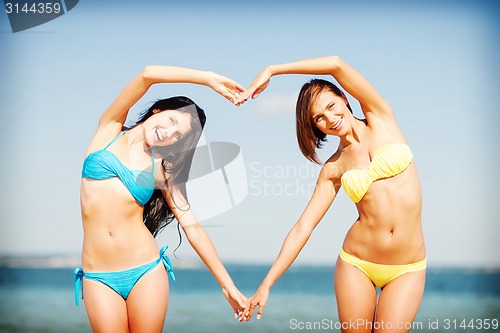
(330, 113)
(167, 127)
(322, 109)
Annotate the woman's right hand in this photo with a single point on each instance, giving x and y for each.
(259, 299)
(257, 86)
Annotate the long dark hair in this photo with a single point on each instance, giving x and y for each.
(309, 136)
(176, 160)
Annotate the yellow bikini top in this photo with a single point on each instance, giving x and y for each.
(390, 160)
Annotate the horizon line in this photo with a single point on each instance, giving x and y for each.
(72, 261)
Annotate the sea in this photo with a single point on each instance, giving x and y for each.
(36, 300)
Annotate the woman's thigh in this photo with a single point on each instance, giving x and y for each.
(107, 311)
(399, 302)
(147, 303)
(356, 298)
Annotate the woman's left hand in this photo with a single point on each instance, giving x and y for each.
(228, 88)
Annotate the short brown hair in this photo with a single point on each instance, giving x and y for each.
(309, 136)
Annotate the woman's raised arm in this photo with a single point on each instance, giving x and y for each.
(117, 112)
(352, 81)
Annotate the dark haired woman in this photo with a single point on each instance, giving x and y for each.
(132, 186)
(374, 165)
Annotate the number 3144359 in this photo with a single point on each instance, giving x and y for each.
(34, 8)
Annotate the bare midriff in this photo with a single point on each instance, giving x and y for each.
(389, 228)
(115, 237)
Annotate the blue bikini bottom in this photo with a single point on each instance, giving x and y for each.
(121, 282)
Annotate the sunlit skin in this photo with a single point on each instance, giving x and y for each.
(358, 143)
(166, 128)
(134, 150)
(112, 219)
(388, 229)
(330, 114)
(115, 236)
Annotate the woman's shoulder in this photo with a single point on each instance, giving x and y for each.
(103, 135)
(332, 168)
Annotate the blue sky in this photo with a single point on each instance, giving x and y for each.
(434, 61)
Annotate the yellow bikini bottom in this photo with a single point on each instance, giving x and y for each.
(381, 274)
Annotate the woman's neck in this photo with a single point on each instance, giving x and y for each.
(358, 126)
(135, 138)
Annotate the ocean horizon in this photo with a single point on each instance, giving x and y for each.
(74, 260)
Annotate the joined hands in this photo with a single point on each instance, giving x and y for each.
(235, 93)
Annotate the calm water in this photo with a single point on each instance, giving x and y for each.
(42, 300)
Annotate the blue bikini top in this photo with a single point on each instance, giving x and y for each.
(103, 164)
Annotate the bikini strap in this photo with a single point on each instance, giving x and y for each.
(79, 274)
(166, 262)
(119, 135)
